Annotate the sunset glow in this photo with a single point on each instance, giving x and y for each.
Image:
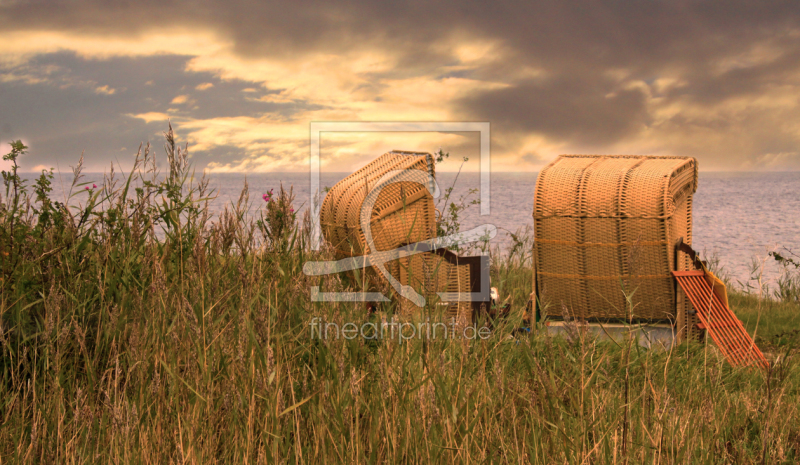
(241, 83)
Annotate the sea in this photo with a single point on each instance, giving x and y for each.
(738, 217)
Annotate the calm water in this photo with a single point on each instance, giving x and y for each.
(737, 216)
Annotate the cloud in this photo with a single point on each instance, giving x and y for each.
(104, 90)
(150, 116)
(62, 114)
(242, 81)
(180, 99)
(587, 110)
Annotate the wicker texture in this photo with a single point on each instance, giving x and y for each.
(601, 222)
(402, 214)
(429, 273)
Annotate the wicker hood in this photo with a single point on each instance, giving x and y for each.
(607, 223)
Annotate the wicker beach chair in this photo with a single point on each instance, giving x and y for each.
(402, 213)
(606, 230)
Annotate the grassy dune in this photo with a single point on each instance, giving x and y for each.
(137, 329)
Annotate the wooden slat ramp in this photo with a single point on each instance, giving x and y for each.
(725, 329)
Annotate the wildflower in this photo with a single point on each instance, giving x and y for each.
(94, 186)
(87, 188)
(291, 210)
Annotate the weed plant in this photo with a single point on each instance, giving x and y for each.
(138, 328)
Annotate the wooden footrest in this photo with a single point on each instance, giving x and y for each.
(719, 321)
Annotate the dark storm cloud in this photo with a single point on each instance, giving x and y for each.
(584, 55)
(583, 109)
(745, 79)
(565, 34)
(61, 104)
(578, 49)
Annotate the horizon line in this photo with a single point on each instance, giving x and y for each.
(251, 173)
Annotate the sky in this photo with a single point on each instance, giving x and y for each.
(240, 81)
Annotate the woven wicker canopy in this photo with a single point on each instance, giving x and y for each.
(403, 212)
(604, 223)
(392, 197)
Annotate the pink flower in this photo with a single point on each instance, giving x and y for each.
(291, 210)
(94, 186)
(87, 188)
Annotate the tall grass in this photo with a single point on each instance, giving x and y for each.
(137, 328)
(770, 311)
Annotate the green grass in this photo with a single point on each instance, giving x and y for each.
(775, 323)
(136, 329)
